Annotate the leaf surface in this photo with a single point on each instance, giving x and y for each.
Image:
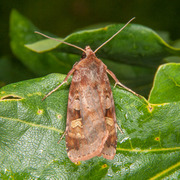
(30, 129)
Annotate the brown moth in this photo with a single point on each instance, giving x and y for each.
(91, 127)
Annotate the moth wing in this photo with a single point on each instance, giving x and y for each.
(86, 131)
(109, 150)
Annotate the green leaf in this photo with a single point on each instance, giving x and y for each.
(136, 44)
(21, 33)
(166, 87)
(12, 70)
(43, 45)
(30, 129)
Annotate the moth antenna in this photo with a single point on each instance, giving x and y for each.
(113, 35)
(69, 44)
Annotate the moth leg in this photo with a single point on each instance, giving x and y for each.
(120, 84)
(119, 128)
(61, 137)
(65, 80)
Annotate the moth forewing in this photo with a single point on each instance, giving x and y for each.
(109, 149)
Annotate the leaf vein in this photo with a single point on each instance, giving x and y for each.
(33, 124)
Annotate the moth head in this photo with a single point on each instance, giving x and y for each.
(89, 51)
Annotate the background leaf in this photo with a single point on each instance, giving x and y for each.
(149, 147)
(12, 70)
(167, 85)
(21, 32)
(137, 45)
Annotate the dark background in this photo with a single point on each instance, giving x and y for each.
(62, 17)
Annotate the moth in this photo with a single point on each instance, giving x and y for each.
(91, 127)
